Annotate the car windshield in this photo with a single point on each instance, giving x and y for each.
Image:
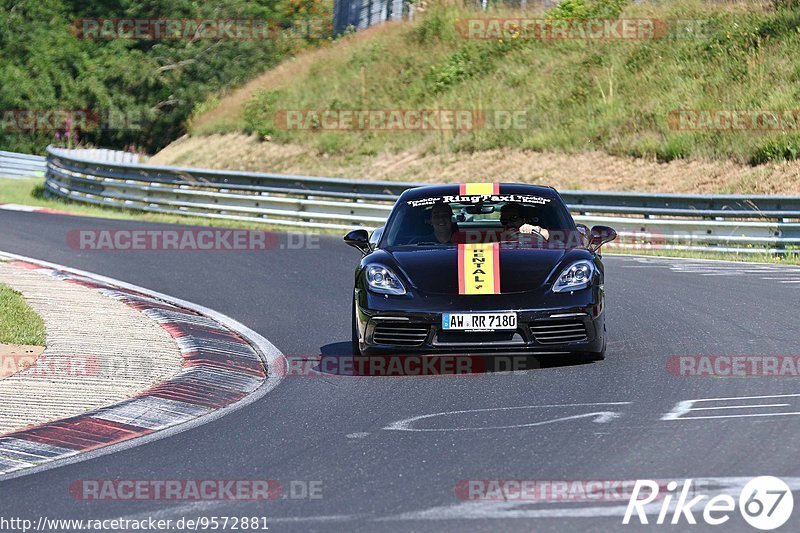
(512, 219)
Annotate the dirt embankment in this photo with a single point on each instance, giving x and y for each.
(591, 171)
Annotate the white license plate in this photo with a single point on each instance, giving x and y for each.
(479, 321)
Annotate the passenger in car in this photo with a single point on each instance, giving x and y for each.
(444, 229)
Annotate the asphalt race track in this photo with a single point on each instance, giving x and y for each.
(574, 421)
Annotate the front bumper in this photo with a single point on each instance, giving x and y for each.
(571, 329)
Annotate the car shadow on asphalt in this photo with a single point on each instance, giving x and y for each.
(336, 359)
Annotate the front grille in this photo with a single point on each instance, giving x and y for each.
(559, 331)
(476, 338)
(400, 333)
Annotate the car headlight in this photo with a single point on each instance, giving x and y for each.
(381, 279)
(575, 277)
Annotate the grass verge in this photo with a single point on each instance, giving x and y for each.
(19, 324)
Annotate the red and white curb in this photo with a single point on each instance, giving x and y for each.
(226, 366)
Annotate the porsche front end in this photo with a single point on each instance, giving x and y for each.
(475, 292)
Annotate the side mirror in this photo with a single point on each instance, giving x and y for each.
(601, 235)
(358, 238)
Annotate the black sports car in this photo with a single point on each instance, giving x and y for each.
(476, 268)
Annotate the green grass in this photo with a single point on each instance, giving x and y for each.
(610, 95)
(19, 324)
(786, 259)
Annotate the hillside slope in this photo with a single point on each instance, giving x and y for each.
(610, 104)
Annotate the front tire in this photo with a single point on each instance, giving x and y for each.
(354, 343)
(599, 356)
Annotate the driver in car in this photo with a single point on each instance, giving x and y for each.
(514, 223)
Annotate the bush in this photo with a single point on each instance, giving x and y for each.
(437, 25)
(786, 147)
(474, 59)
(588, 9)
(259, 113)
(674, 148)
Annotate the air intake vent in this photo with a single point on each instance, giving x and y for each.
(400, 333)
(559, 331)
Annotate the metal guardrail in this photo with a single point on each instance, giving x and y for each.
(116, 156)
(360, 14)
(723, 223)
(14, 165)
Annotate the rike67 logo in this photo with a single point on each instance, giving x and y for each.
(765, 503)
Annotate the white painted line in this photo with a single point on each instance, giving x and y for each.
(687, 260)
(721, 272)
(686, 406)
(600, 417)
(741, 406)
(734, 416)
(270, 354)
(724, 268)
(721, 268)
(747, 397)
